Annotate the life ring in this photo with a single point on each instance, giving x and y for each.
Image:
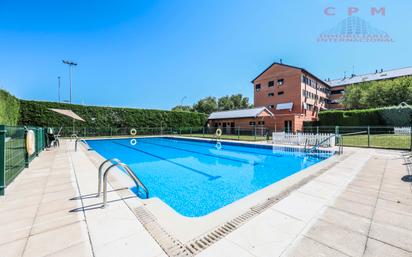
(218, 132)
(133, 141)
(218, 145)
(133, 132)
(30, 142)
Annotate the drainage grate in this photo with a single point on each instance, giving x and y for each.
(175, 248)
(168, 243)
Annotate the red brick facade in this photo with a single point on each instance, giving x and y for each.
(283, 84)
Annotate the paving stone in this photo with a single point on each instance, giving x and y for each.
(359, 198)
(375, 248)
(56, 240)
(343, 240)
(300, 206)
(347, 220)
(271, 232)
(307, 247)
(78, 250)
(394, 206)
(392, 235)
(225, 248)
(13, 249)
(386, 216)
(353, 207)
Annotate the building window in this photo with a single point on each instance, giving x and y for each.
(337, 92)
(252, 123)
(271, 84)
(216, 125)
(271, 106)
(281, 93)
(305, 79)
(271, 94)
(261, 123)
(257, 87)
(280, 82)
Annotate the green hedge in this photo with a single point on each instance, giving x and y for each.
(38, 114)
(387, 116)
(9, 108)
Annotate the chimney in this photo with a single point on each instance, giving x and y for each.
(280, 61)
(381, 70)
(376, 71)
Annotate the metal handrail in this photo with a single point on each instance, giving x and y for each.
(318, 144)
(340, 136)
(130, 173)
(99, 176)
(83, 140)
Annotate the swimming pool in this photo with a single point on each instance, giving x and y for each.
(197, 177)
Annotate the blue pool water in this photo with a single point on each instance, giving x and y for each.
(197, 177)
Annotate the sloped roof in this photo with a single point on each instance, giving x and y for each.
(293, 67)
(381, 75)
(243, 113)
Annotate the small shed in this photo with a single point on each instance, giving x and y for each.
(243, 118)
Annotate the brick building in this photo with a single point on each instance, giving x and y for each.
(293, 95)
(228, 121)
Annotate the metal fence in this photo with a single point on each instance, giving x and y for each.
(387, 137)
(13, 153)
(230, 133)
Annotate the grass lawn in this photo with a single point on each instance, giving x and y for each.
(390, 141)
(379, 141)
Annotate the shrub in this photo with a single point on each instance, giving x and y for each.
(9, 108)
(38, 114)
(388, 116)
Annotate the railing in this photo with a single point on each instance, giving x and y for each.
(319, 144)
(81, 140)
(327, 140)
(131, 174)
(100, 174)
(368, 136)
(13, 154)
(374, 136)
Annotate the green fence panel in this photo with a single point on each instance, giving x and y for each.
(15, 149)
(13, 153)
(2, 159)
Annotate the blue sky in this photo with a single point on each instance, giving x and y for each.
(150, 53)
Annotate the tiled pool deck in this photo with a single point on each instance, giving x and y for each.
(360, 207)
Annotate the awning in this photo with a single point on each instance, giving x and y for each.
(284, 106)
(68, 113)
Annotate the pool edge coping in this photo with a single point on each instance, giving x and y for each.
(153, 213)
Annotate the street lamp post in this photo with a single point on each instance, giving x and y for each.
(70, 63)
(181, 101)
(58, 88)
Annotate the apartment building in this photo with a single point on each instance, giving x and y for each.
(338, 86)
(293, 95)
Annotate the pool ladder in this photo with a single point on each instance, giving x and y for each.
(116, 163)
(77, 141)
(319, 144)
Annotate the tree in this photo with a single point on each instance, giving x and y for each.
(225, 103)
(210, 104)
(206, 105)
(378, 93)
(182, 108)
(239, 101)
